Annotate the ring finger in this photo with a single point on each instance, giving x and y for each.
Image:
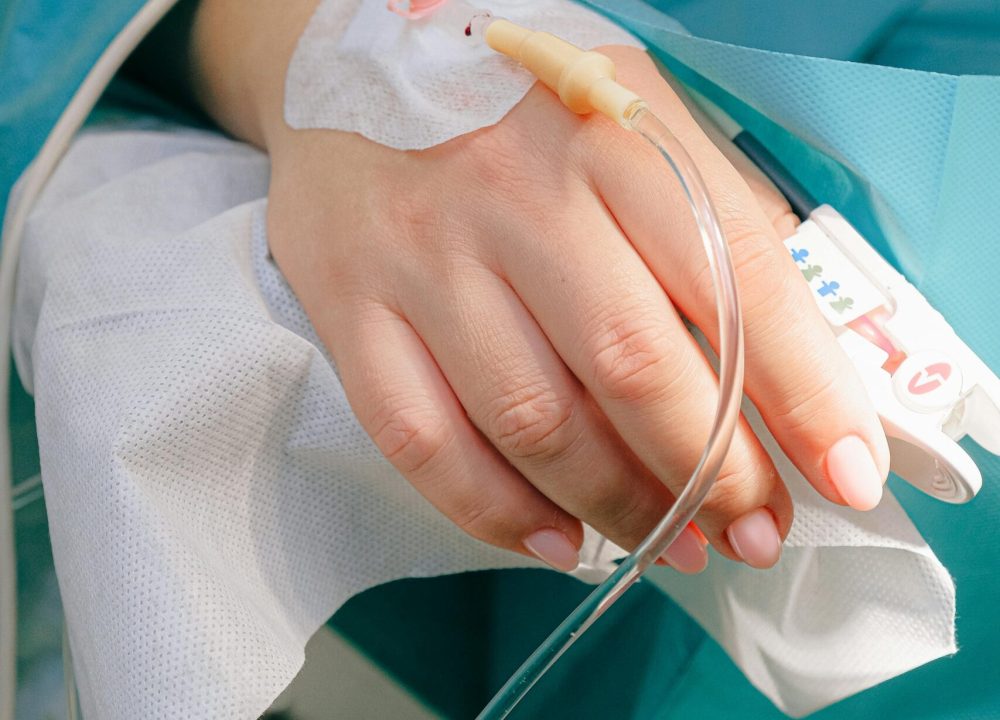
(521, 396)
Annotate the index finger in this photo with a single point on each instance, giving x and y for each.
(796, 373)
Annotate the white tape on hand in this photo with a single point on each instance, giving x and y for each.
(412, 84)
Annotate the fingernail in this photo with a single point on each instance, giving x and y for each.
(852, 470)
(755, 538)
(687, 554)
(552, 547)
(697, 532)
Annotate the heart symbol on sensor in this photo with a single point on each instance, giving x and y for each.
(929, 379)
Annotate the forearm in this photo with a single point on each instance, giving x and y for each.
(238, 52)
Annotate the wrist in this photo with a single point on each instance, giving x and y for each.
(239, 56)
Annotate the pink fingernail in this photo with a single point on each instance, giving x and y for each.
(552, 547)
(697, 532)
(687, 554)
(755, 538)
(852, 470)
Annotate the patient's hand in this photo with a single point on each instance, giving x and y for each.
(504, 312)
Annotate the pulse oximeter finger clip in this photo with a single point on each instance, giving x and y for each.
(929, 388)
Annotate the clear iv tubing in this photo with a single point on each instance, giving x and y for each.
(730, 349)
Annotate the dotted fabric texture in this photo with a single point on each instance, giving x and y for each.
(414, 84)
(856, 599)
(213, 500)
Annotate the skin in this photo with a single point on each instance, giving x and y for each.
(505, 308)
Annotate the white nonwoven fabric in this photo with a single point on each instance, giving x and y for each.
(856, 599)
(414, 84)
(213, 500)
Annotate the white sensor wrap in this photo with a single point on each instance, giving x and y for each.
(411, 84)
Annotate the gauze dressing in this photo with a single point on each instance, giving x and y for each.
(412, 84)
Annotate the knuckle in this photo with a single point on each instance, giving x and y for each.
(598, 141)
(528, 186)
(415, 217)
(703, 285)
(484, 521)
(808, 399)
(747, 481)
(772, 300)
(768, 283)
(411, 436)
(759, 260)
(740, 487)
(630, 516)
(632, 359)
(536, 424)
(784, 220)
(492, 164)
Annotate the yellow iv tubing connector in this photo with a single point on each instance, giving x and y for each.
(585, 82)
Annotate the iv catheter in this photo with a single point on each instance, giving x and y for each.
(585, 83)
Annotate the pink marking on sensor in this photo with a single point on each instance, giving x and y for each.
(872, 328)
(929, 379)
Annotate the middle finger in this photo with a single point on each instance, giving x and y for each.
(521, 396)
(616, 329)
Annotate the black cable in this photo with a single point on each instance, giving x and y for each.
(798, 197)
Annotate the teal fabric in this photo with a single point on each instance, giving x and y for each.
(801, 27)
(466, 634)
(46, 49)
(960, 37)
